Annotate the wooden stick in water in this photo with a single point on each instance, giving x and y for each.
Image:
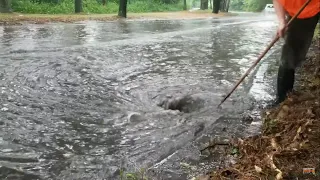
(263, 53)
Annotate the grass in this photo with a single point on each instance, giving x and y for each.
(92, 7)
(19, 18)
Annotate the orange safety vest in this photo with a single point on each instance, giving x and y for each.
(293, 6)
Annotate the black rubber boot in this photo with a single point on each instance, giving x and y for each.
(285, 83)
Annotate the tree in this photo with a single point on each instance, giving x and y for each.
(184, 4)
(78, 6)
(224, 5)
(216, 6)
(204, 4)
(228, 5)
(249, 5)
(5, 6)
(254, 5)
(237, 4)
(123, 8)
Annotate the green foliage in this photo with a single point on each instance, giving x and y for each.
(139, 175)
(93, 6)
(256, 5)
(236, 5)
(249, 5)
(235, 151)
(142, 6)
(26, 6)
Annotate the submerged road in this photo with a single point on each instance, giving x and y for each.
(79, 101)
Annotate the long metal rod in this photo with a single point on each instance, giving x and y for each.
(263, 53)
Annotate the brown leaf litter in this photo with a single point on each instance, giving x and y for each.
(290, 140)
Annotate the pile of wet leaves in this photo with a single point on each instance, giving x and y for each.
(289, 145)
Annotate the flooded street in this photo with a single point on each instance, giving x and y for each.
(79, 101)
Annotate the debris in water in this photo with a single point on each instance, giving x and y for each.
(4, 109)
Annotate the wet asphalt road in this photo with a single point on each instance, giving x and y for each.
(79, 101)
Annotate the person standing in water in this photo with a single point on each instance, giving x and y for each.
(297, 40)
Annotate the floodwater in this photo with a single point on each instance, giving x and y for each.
(79, 101)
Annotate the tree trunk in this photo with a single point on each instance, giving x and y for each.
(123, 8)
(204, 4)
(103, 2)
(210, 1)
(228, 5)
(5, 6)
(78, 6)
(222, 3)
(184, 4)
(216, 6)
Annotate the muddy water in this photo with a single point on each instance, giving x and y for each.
(79, 101)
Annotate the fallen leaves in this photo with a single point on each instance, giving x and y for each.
(315, 82)
(258, 169)
(290, 140)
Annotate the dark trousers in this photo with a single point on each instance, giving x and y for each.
(298, 39)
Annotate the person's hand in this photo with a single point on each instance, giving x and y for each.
(281, 30)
